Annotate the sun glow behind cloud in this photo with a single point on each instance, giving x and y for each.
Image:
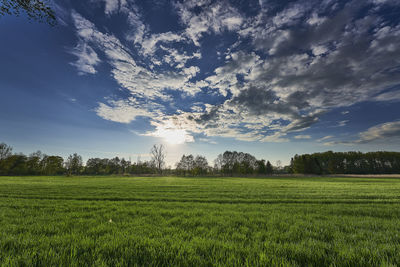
(171, 134)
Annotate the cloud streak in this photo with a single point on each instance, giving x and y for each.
(87, 59)
(382, 132)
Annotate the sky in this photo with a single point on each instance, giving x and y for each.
(272, 78)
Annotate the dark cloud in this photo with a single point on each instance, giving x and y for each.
(350, 56)
(302, 123)
(260, 101)
(330, 56)
(206, 117)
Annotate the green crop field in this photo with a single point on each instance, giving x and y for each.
(168, 221)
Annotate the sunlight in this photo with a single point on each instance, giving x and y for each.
(172, 135)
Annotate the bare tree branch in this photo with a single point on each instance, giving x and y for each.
(158, 154)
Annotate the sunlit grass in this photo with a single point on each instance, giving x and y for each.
(103, 221)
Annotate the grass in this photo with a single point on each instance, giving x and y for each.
(125, 221)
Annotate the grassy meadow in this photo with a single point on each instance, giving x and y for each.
(171, 221)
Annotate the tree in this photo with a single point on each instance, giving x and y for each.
(158, 157)
(34, 163)
(193, 165)
(5, 151)
(347, 162)
(200, 165)
(247, 163)
(14, 165)
(74, 164)
(268, 168)
(95, 166)
(114, 165)
(52, 165)
(218, 163)
(38, 10)
(278, 165)
(125, 165)
(261, 169)
(236, 163)
(185, 165)
(228, 162)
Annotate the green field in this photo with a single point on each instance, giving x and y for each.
(127, 221)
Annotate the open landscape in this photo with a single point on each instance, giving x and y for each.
(176, 221)
(200, 133)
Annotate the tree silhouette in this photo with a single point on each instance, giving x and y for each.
(5, 151)
(158, 157)
(268, 168)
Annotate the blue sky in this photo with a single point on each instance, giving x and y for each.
(272, 78)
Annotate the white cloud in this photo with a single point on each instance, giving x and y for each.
(388, 132)
(275, 138)
(279, 37)
(170, 133)
(137, 27)
(325, 138)
(87, 58)
(232, 23)
(225, 76)
(342, 123)
(84, 27)
(319, 50)
(330, 143)
(290, 15)
(382, 132)
(315, 19)
(388, 96)
(112, 6)
(123, 111)
(139, 80)
(149, 43)
(302, 137)
(206, 140)
(178, 59)
(213, 17)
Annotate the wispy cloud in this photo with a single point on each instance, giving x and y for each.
(342, 123)
(213, 17)
(325, 138)
(124, 111)
(382, 132)
(87, 58)
(388, 96)
(112, 6)
(302, 137)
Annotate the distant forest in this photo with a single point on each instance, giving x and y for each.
(230, 163)
(329, 162)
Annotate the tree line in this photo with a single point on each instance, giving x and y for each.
(38, 163)
(230, 163)
(380, 162)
